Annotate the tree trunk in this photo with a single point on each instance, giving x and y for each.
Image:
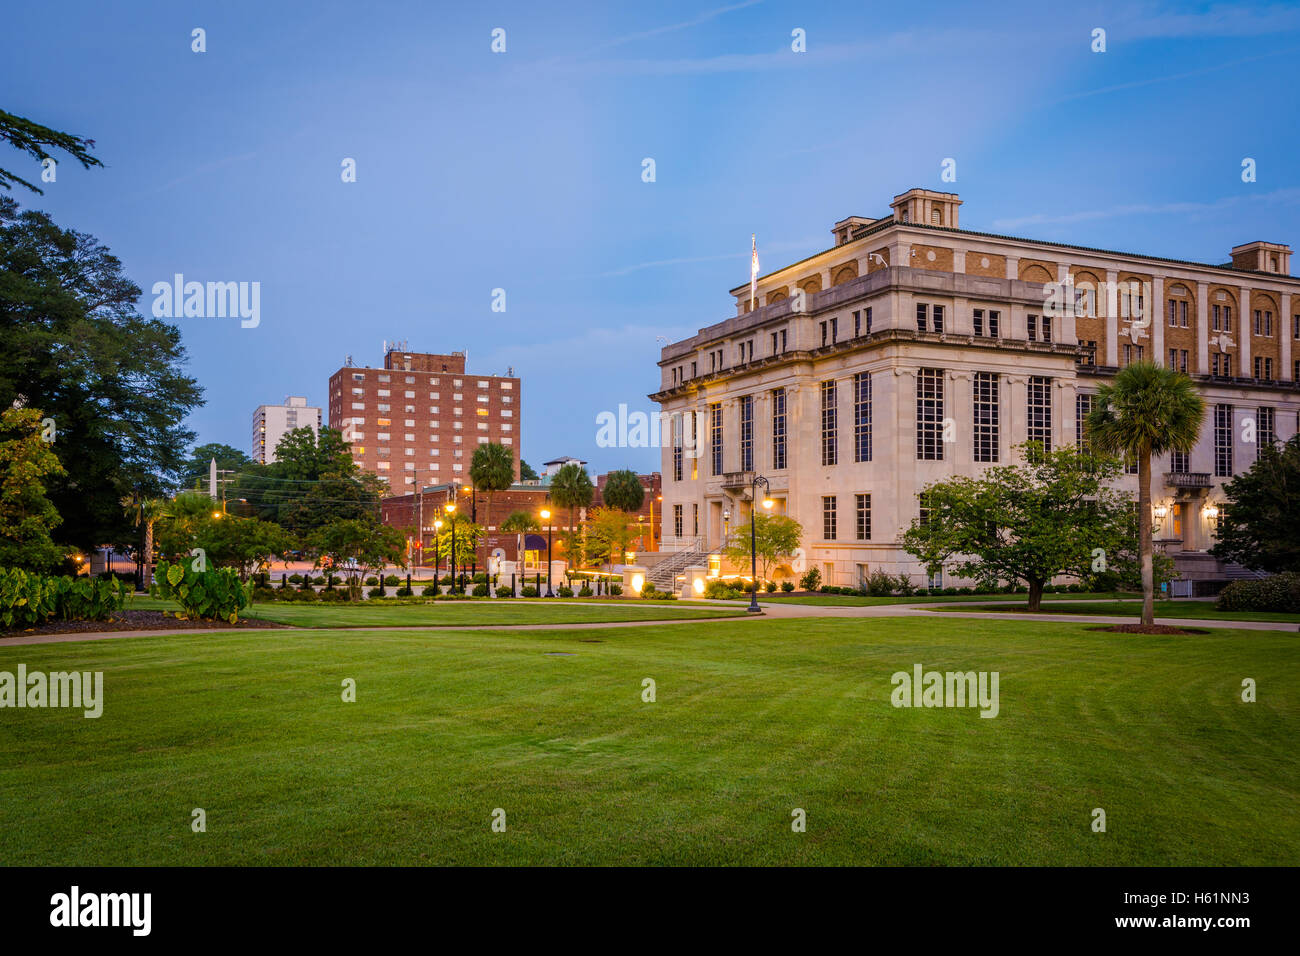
(1035, 595)
(147, 576)
(1144, 538)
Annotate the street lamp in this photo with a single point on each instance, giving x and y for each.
(450, 508)
(546, 516)
(753, 540)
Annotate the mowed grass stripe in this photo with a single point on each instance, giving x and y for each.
(752, 720)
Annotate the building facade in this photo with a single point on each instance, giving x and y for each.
(406, 511)
(273, 422)
(913, 351)
(417, 420)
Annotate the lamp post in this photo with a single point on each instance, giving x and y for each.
(546, 516)
(753, 540)
(437, 560)
(450, 508)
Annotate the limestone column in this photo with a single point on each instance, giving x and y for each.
(1158, 319)
(1286, 330)
(1243, 339)
(1112, 318)
(1202, 328)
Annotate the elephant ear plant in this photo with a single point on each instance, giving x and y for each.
(216, 594)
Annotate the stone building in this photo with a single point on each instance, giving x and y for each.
(913, 350)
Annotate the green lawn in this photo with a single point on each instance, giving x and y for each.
(854, 600)
(460, 613)
(753, 719)
(1204, 610)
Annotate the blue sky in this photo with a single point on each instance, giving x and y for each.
(522, 170)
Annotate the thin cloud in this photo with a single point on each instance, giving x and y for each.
(672, 27)
(1278, 196)
(1174, 76)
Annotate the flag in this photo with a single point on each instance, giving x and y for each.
(753, 269)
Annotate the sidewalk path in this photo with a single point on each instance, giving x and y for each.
(771, 611)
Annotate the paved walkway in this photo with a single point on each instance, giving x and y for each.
(778, 611)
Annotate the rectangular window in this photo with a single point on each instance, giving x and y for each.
(1182, 315)
(1040, 411)
(985, 395)
(678, 450)
(1265, 426)
(863, 503)
(835, 331)
(778, 429)
(715, 437)
(747, 433)
(1031, 327)
(1082, 408)
(1223, 441)
(677, 520)
(977, 320)
(830, 424)
(1178, 462)
(922, 316)
(1173, 312)
(995, 319)
(828, 517)
(824, 333)
(936, 318)
(862, 416)
(695, 519)
(929, 414)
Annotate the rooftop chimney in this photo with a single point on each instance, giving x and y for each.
(1262, 257)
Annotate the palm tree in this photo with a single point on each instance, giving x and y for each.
(1147, 410)
(492, 469)
(143, 512)
(571, 488)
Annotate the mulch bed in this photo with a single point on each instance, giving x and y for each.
(138, 621)
(1149, 629)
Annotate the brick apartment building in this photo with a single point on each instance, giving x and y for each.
(913, 350)
(402, 511)
(417, 420)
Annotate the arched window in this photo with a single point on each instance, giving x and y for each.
(936, 216)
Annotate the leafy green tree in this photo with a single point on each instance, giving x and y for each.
(111, 380)
(571, 488)
(26, 515)
(777, 538)
(526, 471)
(468, 535)
(194, 475)
(623, 490)
(609, 532)
(1145, 410)
(491, 469)
(32, 138)
(246, 544)
(1259, 527)
(1054, 514)
(354, 547)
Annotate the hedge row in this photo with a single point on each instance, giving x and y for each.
(1280, 592)
(27, 599)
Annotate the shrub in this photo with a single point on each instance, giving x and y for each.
(903, 585)
(27, 598)
(615, 590)
(811, 580)
(332, 594)
(479, 578)
(319, 579)
(720, 591)
(295, 578)
(431, 590)
(770, 587)
(306, 584)
(454, 596)
(585, 591)
(445, 579)
(1278, 592)
(307, 594)
(564, 591)
(880, 583)
(371, 581)
(481, 590)
(787, 586)
(264, 594)
(392, 580)
(375, 592)
(528, 591)
(504, 592)
(404, 592)
(214, 594)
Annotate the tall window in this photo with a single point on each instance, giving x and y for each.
(747, 433)
(1178, 462)
(929, 414)
(715, 437)
(1040, 411)
(985, 394)
(830, 424)
(863, 503)
(1265, 426)
(695, 519)
(677, 520)
(986, 322)
(778, 428)
(1223, 441)
(828, 517)
(677, 447)
(862, 416)
(934, 314)
(1082, 408)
